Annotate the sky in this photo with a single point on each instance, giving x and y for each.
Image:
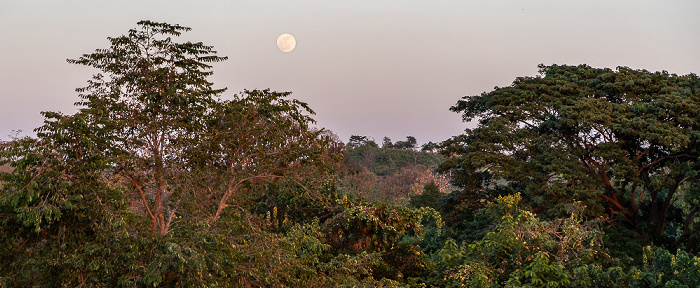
(375, 68)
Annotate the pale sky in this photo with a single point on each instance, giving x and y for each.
(375, 68)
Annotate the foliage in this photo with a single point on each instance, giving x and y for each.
(396, 188)
(521, 250)
(664, 269)
(357, 141)
(150, 98)
(257, 138)
(409, 144)
(362, 183)
(385, 161)
(59, 220)
(390, 175)
(624, 245)
(36, 193)
(619, 141)
(156, 182)
(386, 143)
(375, 227)
(393, 231)
(429, 147)
(661, 269)
(431, 194)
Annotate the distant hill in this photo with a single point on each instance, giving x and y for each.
(385, 161)
(392, 175)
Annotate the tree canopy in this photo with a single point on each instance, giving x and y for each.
(150, 181)
(150, 99)
(622, 142)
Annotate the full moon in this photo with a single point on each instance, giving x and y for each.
(286, 42)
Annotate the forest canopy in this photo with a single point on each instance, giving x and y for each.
(577, 177)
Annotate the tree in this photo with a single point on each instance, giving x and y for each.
(58, 213)
(357, 141)
(392, 231)
(151, 99)
(93, 201)
(386, 143)
(429, 147)
(409, 144)
(260, 137)
(428, 198)
(623, 141)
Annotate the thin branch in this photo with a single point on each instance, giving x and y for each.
(143, 197)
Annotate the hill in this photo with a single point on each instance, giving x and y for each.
(385, 161)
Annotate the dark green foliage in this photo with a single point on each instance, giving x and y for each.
(409, 144)
(357, 141)
(61, 223)
(661, 269)
(429, 147)
(664, 269)
(624, 245)
(150, 182)
(386, 143)
(621, 142)
(431, 194)
(392, 231)
(521, 250)
(376, 227)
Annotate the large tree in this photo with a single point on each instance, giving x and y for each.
(133, 189)
(149, 99)
(623, 142)
(256, 138)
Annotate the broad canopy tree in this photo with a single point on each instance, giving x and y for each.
(622, 142)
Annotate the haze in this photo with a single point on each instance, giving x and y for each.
(376, 68)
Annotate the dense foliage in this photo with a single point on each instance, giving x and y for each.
(625, 143)
(387, 160)
(393, 173)
(579, 177)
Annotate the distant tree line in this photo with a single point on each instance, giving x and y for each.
(411, 143)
